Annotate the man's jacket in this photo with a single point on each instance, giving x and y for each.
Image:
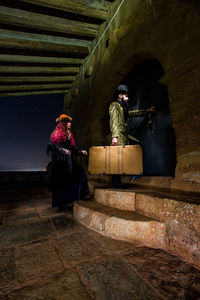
(118, 126)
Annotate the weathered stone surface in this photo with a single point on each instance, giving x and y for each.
(165, 209)
(166, 272)
(121, 225)
(65, 285)
(107, 245)
(121, 199)
(21, 215)
(76, 248)
(35, 262)
(7, 267)
(65, 223)
(183, 241)
(112, 278)
(24, 232)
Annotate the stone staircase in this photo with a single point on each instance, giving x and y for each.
(157, 219)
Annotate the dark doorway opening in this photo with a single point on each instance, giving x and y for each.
(154, 130)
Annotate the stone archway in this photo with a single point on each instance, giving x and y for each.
(154, 130)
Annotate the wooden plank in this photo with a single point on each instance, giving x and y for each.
(9, 88)
(54, 12)
(43, 38)
(52, 70)
(94, 8)
(32, 20)
(21, 79)
(28, 93)
(24, 44)
(39, 59)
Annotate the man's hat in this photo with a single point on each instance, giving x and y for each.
(122, 89)
(63, 118)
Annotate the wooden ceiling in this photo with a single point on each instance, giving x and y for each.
(43, 43)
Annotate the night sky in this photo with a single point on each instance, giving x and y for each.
(26, 123)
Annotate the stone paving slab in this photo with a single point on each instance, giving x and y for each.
(34, 263)
(65, 223)
(111, 278)
(172, 277)
(109, 246)
(24, 232)
(19, 215)
(7, 266)
(64, 286)
(77, 248)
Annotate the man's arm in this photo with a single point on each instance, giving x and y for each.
(139, 112)
(114, 122)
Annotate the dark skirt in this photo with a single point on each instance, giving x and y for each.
(67, 185)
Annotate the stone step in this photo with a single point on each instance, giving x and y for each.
(181, 208)
(180, 212)
(120, 225)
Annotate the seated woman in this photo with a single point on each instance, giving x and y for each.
(67, 181)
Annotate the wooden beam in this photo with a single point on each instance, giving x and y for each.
(35, 21)
(42, 47)
(43, 38)
(10, 88)
(94, 8)
(39, 59)
(21, 79)
(29, 93)
(54, 12)
(51, 70)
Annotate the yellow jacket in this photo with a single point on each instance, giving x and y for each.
(118, 126)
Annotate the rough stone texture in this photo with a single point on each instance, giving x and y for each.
(124, 200)
(169, 32)
(76, 248)
(183, 241)
(179, 230)
(21, 215)
(164, 209)
(164, 271)
(100, 268)
(7, 266)
(65, 285)
(127, 226)
(24, 232)
(110, 278)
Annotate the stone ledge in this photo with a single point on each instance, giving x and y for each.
(120, 225)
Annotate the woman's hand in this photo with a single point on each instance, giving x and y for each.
(84, 152)
(66, 151)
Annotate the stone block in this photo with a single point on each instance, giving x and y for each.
(121, 199)
(76, 248)
(164, 209)
(112, 278)
(183, 241)
(65, 285)
(23, 232)
(121, 225)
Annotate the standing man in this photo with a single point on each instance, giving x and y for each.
(119, 114)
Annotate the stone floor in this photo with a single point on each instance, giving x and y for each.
(48, 255)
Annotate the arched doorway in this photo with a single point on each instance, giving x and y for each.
(154, 130)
